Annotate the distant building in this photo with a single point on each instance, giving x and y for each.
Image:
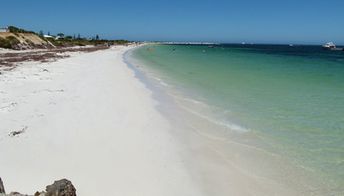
(4, 30)
(58, 37)
(48, 36)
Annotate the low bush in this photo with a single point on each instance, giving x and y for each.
(9, 42)
(16, 30)
(4, 43)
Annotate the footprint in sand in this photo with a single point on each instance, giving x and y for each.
(7, 107)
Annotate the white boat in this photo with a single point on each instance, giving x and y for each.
(329, 46)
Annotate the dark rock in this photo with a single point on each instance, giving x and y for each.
(2, 188)
(62, 187)
(37, 193)
(40, 193)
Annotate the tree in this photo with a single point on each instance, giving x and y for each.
(97, 37)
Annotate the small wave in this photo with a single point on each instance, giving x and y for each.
(195, 101)
(231, 126)
(184, 102)
(163, 83)
(159, 80)
(190, 100)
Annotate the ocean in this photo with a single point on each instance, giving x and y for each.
(289, 99)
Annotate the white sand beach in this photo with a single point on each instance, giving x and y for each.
(86, 118)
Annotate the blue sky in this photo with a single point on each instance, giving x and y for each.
(257, 21)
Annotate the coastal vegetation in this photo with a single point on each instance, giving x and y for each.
(20, 39)
(9, 42)
(14, 29)
(63, 40)
(66, 41)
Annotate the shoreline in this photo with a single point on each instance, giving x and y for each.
(98, 117)
(218, 158)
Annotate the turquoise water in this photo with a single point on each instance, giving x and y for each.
(291, 97)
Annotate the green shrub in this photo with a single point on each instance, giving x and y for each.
(4, 43)
(13, 40)
(9, 42)
(15, 30)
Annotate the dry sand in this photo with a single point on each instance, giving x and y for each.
(88, 119)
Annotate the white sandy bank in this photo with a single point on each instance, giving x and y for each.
(88, 119)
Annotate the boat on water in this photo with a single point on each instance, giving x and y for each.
(329, 46)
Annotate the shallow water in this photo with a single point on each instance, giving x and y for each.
(291, 98)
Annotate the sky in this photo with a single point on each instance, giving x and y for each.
(226, 21)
